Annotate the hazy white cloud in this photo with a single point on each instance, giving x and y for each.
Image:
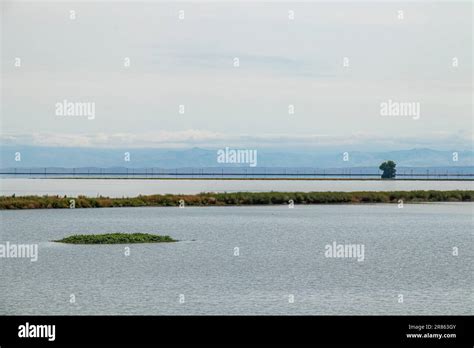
(203, 138)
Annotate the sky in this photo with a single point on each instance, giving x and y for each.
(283, 62)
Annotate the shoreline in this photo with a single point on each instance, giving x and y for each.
(235, 199)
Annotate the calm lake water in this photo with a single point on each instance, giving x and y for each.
(134, 187)
(407, 251)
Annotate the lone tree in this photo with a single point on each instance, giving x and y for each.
(389, 170)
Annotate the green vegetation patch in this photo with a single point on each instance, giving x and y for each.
(235, 198)
(116, 238)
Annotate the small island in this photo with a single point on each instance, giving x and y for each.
(116, 238)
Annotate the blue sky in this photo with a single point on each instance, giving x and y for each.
(190, 62)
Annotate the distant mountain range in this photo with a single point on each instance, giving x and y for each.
(33, 157)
